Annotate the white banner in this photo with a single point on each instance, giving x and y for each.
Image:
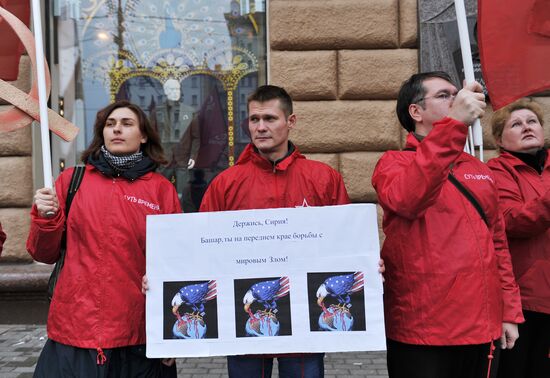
(264, 281)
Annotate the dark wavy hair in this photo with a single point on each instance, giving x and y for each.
(412, 92)
(152, 148)
(266, 93)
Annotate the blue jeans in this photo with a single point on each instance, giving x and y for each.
(310, 365)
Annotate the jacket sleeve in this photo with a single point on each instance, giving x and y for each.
(214, 198)
(409, 187)
(171, 201)
(44, 238)
(512, 311)
(523, 219)
(340, 196)
(2, 238)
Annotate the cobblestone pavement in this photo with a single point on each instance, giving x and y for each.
(20, 346)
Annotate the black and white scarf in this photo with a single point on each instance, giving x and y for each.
(121, 163)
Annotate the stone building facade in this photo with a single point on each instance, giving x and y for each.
(16, 183)
(342, 61)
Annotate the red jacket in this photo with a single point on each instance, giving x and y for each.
(98, 301)
(525, 203)
(449, 278)
(254, 183)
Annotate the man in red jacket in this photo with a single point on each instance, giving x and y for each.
(449, 287)
(271, 173)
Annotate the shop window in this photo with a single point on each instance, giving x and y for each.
(182, 61)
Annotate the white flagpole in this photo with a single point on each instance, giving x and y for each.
(467, 146)
(42, 97)
(470, 140)
(468, 65)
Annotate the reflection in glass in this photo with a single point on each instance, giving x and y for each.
(189, 64)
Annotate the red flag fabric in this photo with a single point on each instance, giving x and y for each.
(514, 44)
(11, 47)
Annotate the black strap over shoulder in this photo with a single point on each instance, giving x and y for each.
(469, 196)
(465, 192)
(76, 180)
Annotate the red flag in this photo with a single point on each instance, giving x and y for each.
(11, 47)
(514, 41)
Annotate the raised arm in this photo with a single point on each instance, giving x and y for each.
(408, 186)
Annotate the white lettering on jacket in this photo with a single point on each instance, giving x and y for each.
(471, 176)
(139, 201)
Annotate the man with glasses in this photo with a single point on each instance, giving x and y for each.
(449, 286)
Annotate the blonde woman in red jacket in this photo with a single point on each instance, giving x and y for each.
(96, 322)
(522, 173)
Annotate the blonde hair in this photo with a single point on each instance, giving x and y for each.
(501, 116)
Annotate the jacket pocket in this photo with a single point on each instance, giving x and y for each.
(457, 303)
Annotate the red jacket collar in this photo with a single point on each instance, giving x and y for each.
(250, 154)
(411, 143)
(516, 162)
(511, 159)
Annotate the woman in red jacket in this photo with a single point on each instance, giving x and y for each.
(522, 173)
(96, 322)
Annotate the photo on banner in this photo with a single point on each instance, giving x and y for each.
(190, 310)
(336, 301)
(262, 307)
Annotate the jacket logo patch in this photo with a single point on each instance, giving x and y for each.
(142, 202)
(479, 177)
(304, 204)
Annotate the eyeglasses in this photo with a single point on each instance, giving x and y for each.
(443, 96)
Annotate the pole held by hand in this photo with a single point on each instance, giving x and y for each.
(468, 65)
(42, 96)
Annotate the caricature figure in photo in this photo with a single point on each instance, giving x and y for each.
(191, 325)
(264, 321)
(338, 317)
